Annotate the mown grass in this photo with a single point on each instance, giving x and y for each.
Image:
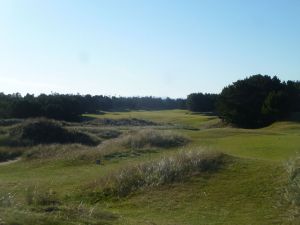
(176, 117)
(274, 143)
(250, 190)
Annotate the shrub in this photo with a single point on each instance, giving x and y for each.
(164, 171)
(153, 138)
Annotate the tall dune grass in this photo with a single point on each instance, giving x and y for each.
(68, 152)
(292, 192)
(153, 138)
(124, 145)
(167, 170)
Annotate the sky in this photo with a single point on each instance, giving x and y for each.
(145, 47)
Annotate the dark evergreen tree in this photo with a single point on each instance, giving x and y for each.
(199, 102)
(256, 101)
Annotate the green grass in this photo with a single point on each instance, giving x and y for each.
(248, 190)
(278, 144)
(244, 193)
(172, 169)
(177, 117)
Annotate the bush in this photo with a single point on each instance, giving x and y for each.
(44, 131)
(153, 138)
(164, 171)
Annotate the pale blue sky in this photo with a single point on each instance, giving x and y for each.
(145, 47)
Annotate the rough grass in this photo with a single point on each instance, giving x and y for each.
(131, 144)
(79, 214)
(9, 153)
(176, 168)
(70, 152)
(48, 213)
(43, 206)
(244, 192)
(99, 132)
(153, 138)
(45, 131)
(292, 192)
(38, 197)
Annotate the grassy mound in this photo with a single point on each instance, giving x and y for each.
(44, 131)
(9, 122)
(164, 171)
(44, 207)
(9, 153)
(133, 144)
(153, 138)
(69, 152)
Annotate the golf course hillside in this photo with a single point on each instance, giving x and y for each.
(164, 167)
(149, 112)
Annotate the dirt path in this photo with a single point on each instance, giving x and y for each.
(10, 161)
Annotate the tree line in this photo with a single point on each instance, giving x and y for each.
(70, 107)
(202, 102)
(253, 102)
